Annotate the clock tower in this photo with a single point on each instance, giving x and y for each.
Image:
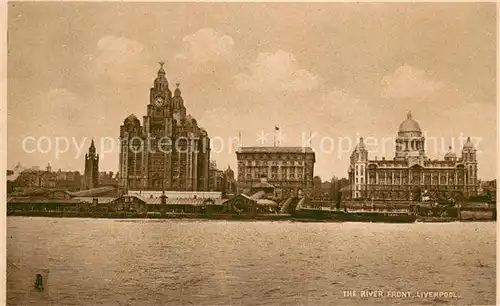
(169, 151)
(160, 96)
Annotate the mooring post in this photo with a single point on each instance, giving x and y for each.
(41, 283)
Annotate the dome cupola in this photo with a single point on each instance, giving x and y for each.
(409, 125)
(161, 71)
(361, 145)
(177, 92)
(468, 144)
(410, 143)
(450, 155)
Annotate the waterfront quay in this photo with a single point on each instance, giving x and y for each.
(240, 207)
(259, 202)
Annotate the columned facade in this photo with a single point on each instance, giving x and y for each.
(411, 173)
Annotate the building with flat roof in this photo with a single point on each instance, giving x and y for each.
(289, 169)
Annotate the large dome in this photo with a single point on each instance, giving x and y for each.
(409, 125)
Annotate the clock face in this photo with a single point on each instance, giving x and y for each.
(159, 101)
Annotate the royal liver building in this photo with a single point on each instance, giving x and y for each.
(411, 171)
(169, 151)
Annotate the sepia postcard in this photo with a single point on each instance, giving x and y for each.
(225, 153)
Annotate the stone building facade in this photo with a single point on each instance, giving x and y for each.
(229, 182)
(107, 179)
(411, 172)
(215, 177)
(91, 173)
(289, 169)
(168, 151)
(221, 180)
(47, 179)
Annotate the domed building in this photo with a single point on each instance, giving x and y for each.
(168, 151)
(411, 172)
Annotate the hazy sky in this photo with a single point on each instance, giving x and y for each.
(330, 70)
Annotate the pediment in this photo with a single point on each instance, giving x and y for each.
(416, 166)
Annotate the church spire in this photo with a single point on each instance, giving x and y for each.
(91, 174)
(92, 148)
(409, 115)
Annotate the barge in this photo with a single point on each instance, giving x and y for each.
(316, 215)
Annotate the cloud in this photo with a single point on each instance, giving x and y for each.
(206, 45)
(408, 82)
(340, 97)
(121, 45)
(342, 105)
(276, 71)
(57, 111)
(49, 128)
(121, 60)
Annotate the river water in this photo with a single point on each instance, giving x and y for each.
(158, 262)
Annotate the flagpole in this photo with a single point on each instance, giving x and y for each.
(274, 137)
(276, 128)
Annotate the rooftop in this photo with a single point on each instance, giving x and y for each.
(468, 144)
(266, 202)
(275, 150)
(258, 195)
(100, 200)
(409, 125)
(92, 192)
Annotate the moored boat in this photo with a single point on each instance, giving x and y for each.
(312, 215)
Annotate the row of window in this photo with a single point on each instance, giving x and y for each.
(291, 176)
(273, 171)
(469, 156)
(267, 163)
(361, 157)
(425, 177)
(273, 157)
(415, 173)
(360, 169)
(361, 180)
(417, 182)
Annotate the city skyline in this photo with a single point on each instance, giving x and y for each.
(85, 86)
